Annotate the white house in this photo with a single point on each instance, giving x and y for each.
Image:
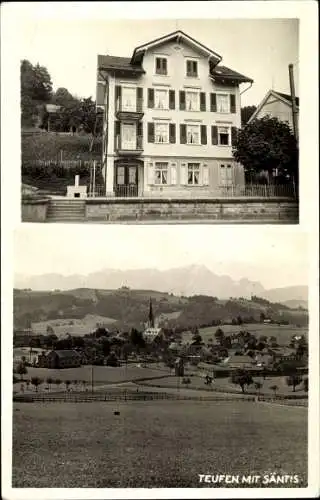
(170, 115)
(277, 105)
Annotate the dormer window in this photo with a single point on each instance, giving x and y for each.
(192, 68)
(161, 66)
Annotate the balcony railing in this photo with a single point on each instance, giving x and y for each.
(134, 109)
(126, 191)
(126, 147)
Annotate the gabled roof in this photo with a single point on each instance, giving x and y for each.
(175, 36)
(286, 98)
(66, 353)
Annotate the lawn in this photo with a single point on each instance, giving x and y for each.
(282, 333)
(101, 374)
(158, 444)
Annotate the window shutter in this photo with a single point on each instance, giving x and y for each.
(183, 134)
(140, 130)
(173, 173)
(116, 134)
(214, 135)
(150, 174)
(164, 66)
(183, 174)
(139, 98)
(232, 103)
(233, 135)
(150, 132)
(150, 98)
(172, 103)
(213, 102)
(172, 133)
(118, 96)
(101, 90)
(202, 101)
(182, 100)
(203, 134)
(205, 175)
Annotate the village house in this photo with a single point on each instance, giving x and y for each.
(60, 359)
(171, 111)
(276, 105)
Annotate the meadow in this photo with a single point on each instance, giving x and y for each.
(157, 444)
(282, 333)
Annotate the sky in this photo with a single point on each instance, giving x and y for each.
(68, 45)
(276, 256)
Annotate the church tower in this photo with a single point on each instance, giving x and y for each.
(151, 316)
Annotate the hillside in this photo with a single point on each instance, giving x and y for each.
(125, 308)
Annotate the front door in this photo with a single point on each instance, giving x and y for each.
(128, 136)
(126, 184)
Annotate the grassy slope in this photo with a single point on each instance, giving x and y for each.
(154, 445)
(130, 308)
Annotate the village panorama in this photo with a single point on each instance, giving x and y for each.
(137, 388)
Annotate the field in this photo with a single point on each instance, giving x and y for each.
(73, 326)
(158, 444)
(282, 333)
(197, 382)
(102, 374)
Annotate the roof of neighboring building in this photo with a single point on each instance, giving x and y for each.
(286, 98)
(240, 359)
(118, 64)
(52, 108)
(227, 74)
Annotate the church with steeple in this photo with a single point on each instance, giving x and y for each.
(152, 330)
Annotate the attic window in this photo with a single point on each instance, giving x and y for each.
(192, 68)
(161, 66)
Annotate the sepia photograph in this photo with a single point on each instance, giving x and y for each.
(178, 121)
(135, 367)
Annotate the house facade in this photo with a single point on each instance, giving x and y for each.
(170, 115)
(68, 358)
(276, 105)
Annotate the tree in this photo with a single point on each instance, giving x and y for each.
(62, 97)
(49, 382)
(36, 381)
(21, 370)
(258, 387)
(274, 388)
(246, 113)
(242, 378)
(36, 89)
(267, 145)
(306, 384)
(58, 382)
(219, 335)
(67, 384)
(186, 381)
(294, 380)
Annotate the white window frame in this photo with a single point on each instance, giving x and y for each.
(166, 100)
(189, 59)
(197, 93)
(161, 166)
(229, 135)
(228, 98)
(199, 134)
(159, 56)
(226, 183)
(194, 169)
(132, 88)
(156, 124)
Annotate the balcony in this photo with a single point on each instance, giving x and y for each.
(129, 148)
(129, 111)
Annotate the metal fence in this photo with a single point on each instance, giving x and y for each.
(259, 191)
(55, 162)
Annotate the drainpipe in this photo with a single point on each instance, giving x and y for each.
(245, 90)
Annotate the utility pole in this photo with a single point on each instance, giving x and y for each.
(293, 101)
(92, 378)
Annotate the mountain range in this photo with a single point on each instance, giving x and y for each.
(186, 281)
